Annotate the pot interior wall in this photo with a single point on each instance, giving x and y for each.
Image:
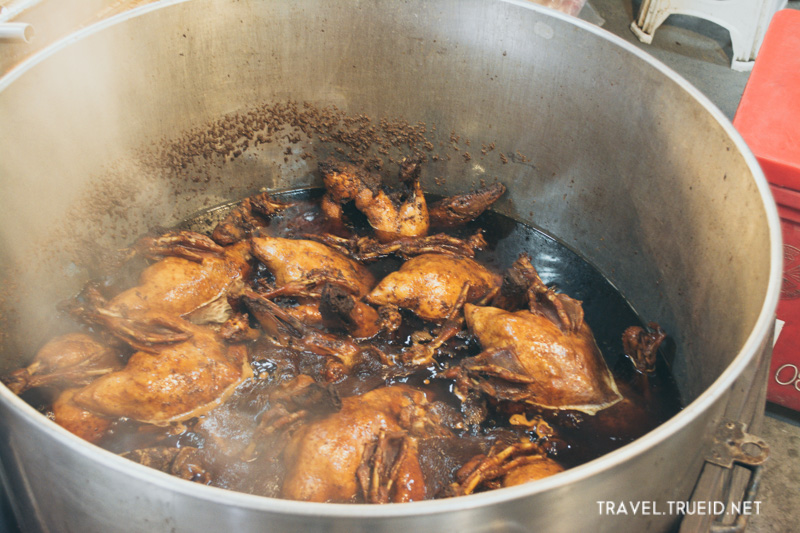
(596, 146)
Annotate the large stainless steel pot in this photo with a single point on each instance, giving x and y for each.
(623, 161)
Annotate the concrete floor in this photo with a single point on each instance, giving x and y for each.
(701, 52)
(781, 503)
(698, 50)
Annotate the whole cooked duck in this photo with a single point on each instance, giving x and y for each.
(362, 345)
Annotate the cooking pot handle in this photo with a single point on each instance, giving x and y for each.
(731, 447)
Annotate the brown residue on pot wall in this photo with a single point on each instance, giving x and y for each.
(169, 178)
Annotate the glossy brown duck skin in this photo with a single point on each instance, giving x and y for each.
(246, 218)
(322, 301)
(290, 332)
(430, 285)
(67, 360)
(390, 469)
(184, 287)
(545, 355)
(291, 404)
(528, 358)
(523, 288)
(76, 419)
(512, 465)
(641, 346)
(366, 249)
(391, 214)
(298, 260)
(324, 457)
(423, 354)
(532, 469)
(312, 273)
(187, 244)
(340, 309)
(171, 382)
(457, 210)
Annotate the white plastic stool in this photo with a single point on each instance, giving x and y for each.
(746, 20)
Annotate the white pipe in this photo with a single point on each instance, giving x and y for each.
(16, 31)
(15, 8)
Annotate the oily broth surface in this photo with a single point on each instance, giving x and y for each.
(607, 312)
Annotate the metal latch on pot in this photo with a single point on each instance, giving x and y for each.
(732, 446)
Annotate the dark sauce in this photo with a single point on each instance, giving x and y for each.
(649, 400)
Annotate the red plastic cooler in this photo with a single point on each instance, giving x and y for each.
(768, 118)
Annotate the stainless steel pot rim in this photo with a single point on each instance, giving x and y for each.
(763, 327)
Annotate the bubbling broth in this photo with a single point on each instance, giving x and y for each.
(341, 361)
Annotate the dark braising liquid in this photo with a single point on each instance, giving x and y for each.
(608, 314)
(649, 401)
